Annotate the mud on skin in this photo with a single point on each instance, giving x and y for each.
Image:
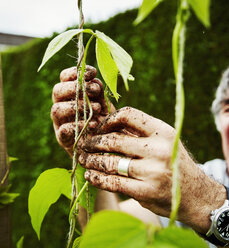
(70, 74)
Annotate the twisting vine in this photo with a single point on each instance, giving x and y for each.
(178, 47)
(80, 82)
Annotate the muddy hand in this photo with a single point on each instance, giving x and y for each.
(64, 105)
(148, 179)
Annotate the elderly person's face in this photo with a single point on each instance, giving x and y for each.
(224, 124)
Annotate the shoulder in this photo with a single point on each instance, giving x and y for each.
(216, 169)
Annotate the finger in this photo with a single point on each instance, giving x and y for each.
(63, 112)
(67, 91)
(66, 132)
(115, 142)
(128, 117)
(128, 186)
(70, 74)
(109, 164)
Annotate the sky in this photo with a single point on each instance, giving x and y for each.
(40, 18)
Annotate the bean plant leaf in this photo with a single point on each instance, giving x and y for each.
(20, 242)
(114, 229)
(92, 190)
(145, 9)
(76, 242)
(46, 191)
(178, 237)
(11, 159)
(107, 66)
(121, 58)
(5, 196)
(202, 10)
(59, 42)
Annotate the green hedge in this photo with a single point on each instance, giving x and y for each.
(27, 94)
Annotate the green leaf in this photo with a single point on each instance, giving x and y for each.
(76, 242)
(178, 237)
(114, 229)
(92, 190)
(59, 42)
(11, 159)
(107, 66)
(202, 10)
(20, 242)
(121, 58)
(7, 198)
(145, 9)
(46, 191)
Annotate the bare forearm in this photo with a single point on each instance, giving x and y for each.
(207, 195)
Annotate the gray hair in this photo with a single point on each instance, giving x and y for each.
(220, 97)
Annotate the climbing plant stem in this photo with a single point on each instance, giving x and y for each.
(178, 47)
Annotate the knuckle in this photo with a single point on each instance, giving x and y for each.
(93, 88)
(92, 126)
(66, 135)
(110, 165)
(96, 107)
(95, 179)
(54, 111)
(83, 158)
(98, 82)
(68, 74)
(90, 73)
(115, 184)
(123, 113)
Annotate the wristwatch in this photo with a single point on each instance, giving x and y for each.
(218, 233)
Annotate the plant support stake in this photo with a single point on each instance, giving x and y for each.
(5, 240)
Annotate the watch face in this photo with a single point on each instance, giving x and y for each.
(223, 224)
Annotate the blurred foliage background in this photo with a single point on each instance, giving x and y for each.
(30, 135)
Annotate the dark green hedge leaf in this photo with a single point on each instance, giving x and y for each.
(7, 198)
(113, 229)
(121, 58)
(107, 66)
(47, 190)
(178, 237)
(145, 9)
(202, 10)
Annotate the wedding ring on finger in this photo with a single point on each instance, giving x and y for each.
(123, 166)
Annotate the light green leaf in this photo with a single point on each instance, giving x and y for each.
(178, 237)
(11, 159)
(114, 229)
(121, 58)
(92, 190)
(145, 9)
(20, 242)
(76, 242)
(46, 191)
(107, 66)
(202, 10)
(59, 42)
